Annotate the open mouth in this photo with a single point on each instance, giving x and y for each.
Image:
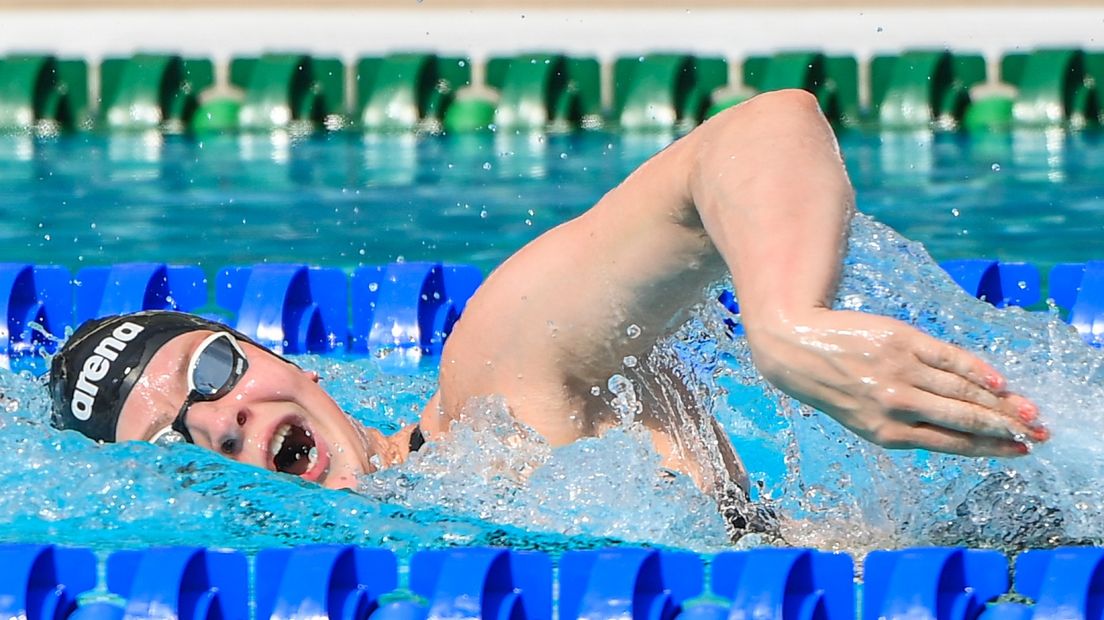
(293, 449)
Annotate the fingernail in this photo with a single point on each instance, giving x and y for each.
(1040, 434)
(1028, 412)
(995, 382)
(1022, 448)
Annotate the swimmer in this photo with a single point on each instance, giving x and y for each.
(759, 192)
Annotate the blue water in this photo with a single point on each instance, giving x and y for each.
(349, 201)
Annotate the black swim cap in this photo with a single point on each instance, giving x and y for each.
(92, 375)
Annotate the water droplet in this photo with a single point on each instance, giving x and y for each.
(633, 331)
(618, 384)
(486, 165)
(955, 212)
(629, 361)
(373, 286)
(996, 167)
(483, 214)
(595, 390)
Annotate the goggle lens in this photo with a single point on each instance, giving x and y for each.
(215, 368)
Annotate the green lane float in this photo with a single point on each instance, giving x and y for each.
(665, 91)
(992, 114)
(217, 115)
(923, 89)
(1055, 87)
(41, 92)
(470, 115)
(833, 79)
(407, 92)
(546, 91)
(152, 91)
(290, 91)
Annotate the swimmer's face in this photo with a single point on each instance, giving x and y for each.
(277, 417)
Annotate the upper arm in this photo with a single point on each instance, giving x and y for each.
(773, 195)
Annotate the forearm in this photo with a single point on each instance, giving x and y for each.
(772, 193)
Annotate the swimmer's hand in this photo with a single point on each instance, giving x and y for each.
(893, 385)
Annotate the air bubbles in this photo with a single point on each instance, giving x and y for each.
(633, 331)
(995, 167)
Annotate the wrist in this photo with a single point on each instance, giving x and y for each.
(778, 318)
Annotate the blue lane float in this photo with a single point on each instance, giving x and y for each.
(999, 283)
(339, 582)
(1064, 583)
(130, 287)
(410, 306)
(785, 583)
(32, 296)
(935, 583)
(43, 581)
(188, 583)
(1080, 288)
(289, 308)
(346, 582)
(628, 583)
(478, 583)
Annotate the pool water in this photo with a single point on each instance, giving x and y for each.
(345, 201)
(349, 201)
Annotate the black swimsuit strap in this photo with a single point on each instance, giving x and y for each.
(417, 439)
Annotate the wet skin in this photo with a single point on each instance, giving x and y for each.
(759, 192)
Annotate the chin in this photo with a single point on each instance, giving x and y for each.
(341, 482)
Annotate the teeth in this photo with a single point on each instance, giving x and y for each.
(278, 439)
(312, 458)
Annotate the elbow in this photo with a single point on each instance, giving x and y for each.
(793, 104)
(756, 124)
(789, 101)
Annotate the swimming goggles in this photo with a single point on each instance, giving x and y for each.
(214, 369)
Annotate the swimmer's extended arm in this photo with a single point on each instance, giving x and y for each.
(772, 192)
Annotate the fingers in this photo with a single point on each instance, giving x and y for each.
(949, 358)
(954, 387)
(936, 439)
(968, 395)
(919, 406)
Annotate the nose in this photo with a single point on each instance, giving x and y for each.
(220, 428)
